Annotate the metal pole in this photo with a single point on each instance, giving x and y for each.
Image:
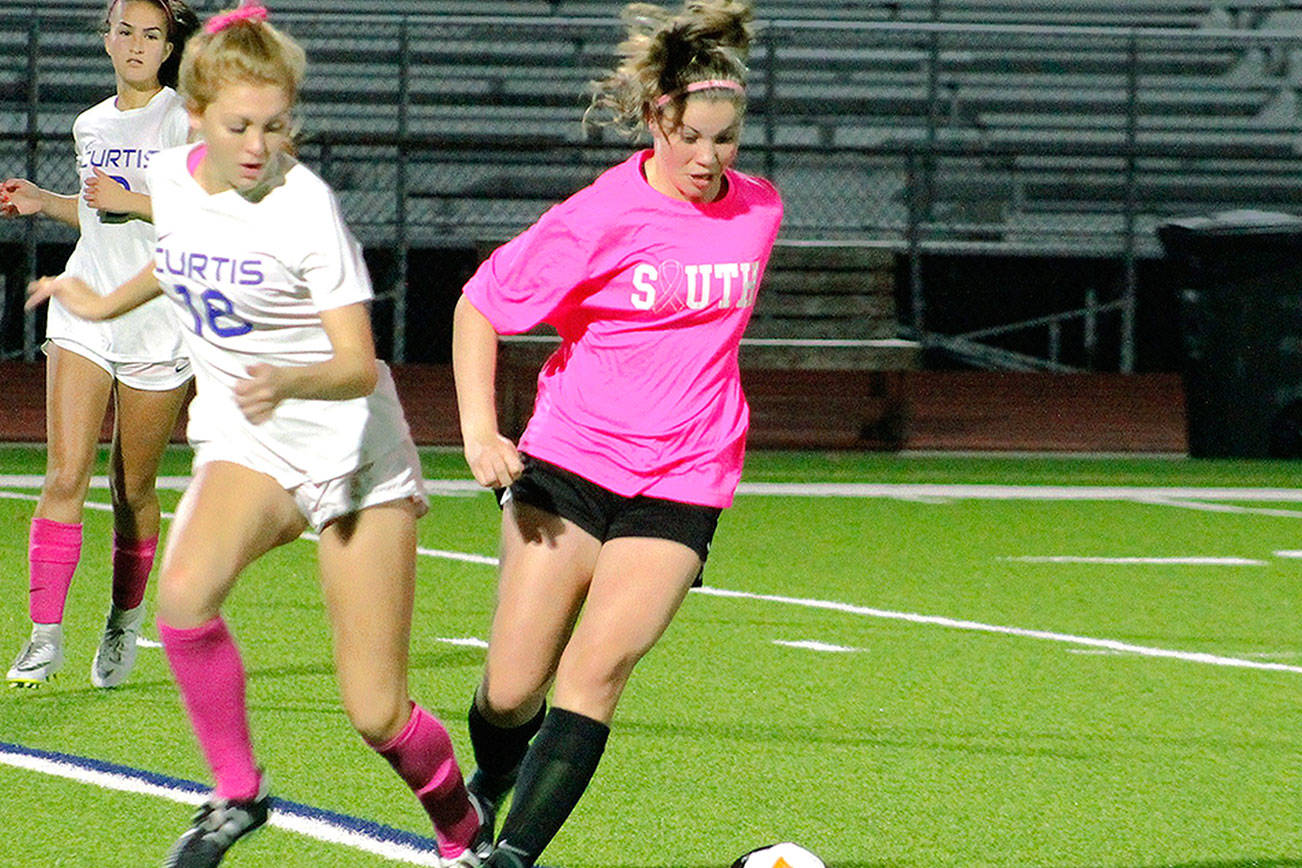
(401, 235)
(33, 159)
(1127, 361)
(770, 96)
(917, 315)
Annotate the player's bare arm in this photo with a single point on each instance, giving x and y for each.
(349, 373)
(493, 459)
(22, 198)
(104, 193)
(77, 296)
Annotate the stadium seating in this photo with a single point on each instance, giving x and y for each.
(1028, 127)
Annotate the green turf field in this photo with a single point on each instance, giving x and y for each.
(919, 679)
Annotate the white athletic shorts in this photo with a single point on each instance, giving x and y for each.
(146, 376)
(394, 474)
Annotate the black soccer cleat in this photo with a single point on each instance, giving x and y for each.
(487, 793)
(217, 825)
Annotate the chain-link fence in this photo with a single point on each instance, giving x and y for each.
(454, 132)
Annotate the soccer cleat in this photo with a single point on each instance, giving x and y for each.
(486, 794)
(217, 825)
(41, 657)
(482, 844)
(117, 647)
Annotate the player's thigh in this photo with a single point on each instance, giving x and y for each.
(142, 427)
(368, 571)
(228, 517)
(546, 567)
(637, 587)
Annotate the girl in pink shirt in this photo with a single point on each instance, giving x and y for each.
(638, 432)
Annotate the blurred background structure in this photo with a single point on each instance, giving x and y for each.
(971, 185)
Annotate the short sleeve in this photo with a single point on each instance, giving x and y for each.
(531, 277)
(332, 267)
(176, 126)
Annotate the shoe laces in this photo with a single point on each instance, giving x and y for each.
(36, 654)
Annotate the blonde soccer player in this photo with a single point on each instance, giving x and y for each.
(637, 436)
(294, 424)
(135, 362)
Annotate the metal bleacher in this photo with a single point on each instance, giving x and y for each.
(1055, 122)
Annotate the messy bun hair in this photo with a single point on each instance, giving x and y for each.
(664, 52)
(247, 51)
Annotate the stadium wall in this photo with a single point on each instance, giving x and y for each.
(916, 410)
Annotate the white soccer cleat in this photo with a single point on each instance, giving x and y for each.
(117, 647)
(41, 657)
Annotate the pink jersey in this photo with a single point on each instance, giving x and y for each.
(650, 295)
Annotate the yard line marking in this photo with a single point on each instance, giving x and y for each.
(811, 645)
(1178, 561)
(465, 641)
(1046, 635)
(995, 492)
(354, 832)
(1204, 506)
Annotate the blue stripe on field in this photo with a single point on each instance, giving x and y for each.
(369, 828)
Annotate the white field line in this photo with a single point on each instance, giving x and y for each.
(1021, 492)
(812, 645)
(1127, 561)
(1205, 506)
(319, 828)
(1045, 635)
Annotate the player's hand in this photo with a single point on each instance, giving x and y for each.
(72, 292)
(258, 395)
(19, 198)
(493, 460)
(103, 193)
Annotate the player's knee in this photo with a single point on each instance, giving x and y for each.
(180, 602)
(133, 493)
(377, 722)
(65, 483)
(509, 705)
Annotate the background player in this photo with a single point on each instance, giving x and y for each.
(638, 431)
(294, 424)
(137, 360)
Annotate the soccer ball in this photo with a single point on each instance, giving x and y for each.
(786, 855)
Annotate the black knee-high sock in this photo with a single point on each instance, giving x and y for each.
(553, 776)
(499, 750)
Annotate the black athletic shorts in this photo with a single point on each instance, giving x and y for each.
(607, 515)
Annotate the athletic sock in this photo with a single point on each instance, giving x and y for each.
(555, 772)
(499, 750)
(132, 561)
(53, 550)
(422, 756)
(210, 677)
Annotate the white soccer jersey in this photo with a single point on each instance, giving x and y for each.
(249, 280)
(112, 249)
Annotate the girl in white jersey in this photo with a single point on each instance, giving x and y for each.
(295, 424)
(136, 361)
(637, 435)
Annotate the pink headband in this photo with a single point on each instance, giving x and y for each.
(249, 10)
(708, 84)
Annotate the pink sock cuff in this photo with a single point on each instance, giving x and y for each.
(54, 541)
(138, 547)
(214, 629)
(413, 722)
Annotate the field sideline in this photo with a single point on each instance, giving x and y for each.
(896, 661)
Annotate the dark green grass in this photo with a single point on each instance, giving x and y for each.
(926, 746)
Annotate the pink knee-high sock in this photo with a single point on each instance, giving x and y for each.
(210, 676)
(132, 561)
(422, 756)
(53, 550)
